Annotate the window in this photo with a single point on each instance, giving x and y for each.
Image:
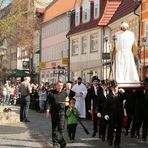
(77, 15)
(96, 8)
(75, 47)
(84, 44)
(94, 42)
(86, 10)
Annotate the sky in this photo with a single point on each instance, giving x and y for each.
(4, 3)
(42, 3)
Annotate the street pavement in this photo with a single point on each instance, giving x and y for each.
(37, 134)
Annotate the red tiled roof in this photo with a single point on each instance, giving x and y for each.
(126, 7)
(91, 24)
(58, 8)
(110, 8)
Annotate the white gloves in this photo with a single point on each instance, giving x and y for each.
(106, 117)
(99, 115)
(121, 90)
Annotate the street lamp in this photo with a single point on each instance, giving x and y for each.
(2, 54)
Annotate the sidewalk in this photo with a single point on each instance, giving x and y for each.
(19, 135)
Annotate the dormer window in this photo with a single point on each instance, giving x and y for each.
(96, 8)
(77, 15)
(86, 10)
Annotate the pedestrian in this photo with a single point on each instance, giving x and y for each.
(42, 98)
(25, 90)
(73, 114)
(92, 96)
(114, 114)
(145, 119)
(80, 94)
(56, 105)
(101, 106)
(70, 94)
(88, 115)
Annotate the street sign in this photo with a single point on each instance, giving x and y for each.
(64, 60)
(42, 65)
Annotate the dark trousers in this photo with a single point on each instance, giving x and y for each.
(71, 131)
(24, 107)
(58, 122)
(103, 127)
(145, 128)
(95, 123)
(115, 122)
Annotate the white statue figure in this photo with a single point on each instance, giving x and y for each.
(124, 68)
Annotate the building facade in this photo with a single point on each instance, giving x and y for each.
(54, 44)
(144, 37)
(88, 48)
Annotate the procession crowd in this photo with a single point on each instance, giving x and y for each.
(111, 109)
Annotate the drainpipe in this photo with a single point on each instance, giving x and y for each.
(139, 33)
(139, 16)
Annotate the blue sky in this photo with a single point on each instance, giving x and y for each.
(4, 3)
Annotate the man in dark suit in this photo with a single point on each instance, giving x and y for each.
(70, 94)
(145, 113)
(114, 113)
(92, 105)
(101, 106)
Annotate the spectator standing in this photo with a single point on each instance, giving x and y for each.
(25, 90)
(42, 98)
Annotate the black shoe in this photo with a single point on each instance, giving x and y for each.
(109, 143)
(26, 120)
(117, 146)
(94, 134)
(62, 143)
(103, 138)
(126, 133)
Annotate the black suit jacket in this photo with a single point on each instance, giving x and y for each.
(91, 96)
(114, 105)
(102, 102)
(71, 94)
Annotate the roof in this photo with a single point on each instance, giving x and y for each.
(109, 11)
(126, 7)
(58, 8)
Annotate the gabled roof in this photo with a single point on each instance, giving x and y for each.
(126, 7)
(107, 10)
(58, 8)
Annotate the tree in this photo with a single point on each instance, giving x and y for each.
(17, 23)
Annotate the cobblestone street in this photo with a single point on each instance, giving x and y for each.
(37, 134)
